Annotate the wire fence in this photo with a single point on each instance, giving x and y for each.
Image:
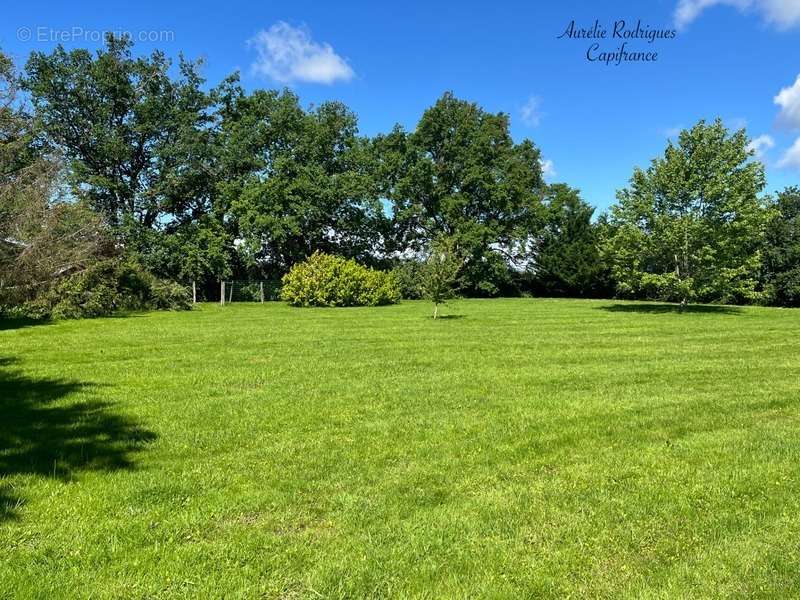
(259, 290)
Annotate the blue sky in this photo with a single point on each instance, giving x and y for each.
(737, 59)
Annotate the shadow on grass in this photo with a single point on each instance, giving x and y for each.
(662, 308)
(46, 433)
(449, 317)
(7, 323)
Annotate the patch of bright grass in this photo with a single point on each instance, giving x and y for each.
(528, 448)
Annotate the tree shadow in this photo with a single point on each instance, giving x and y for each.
(46, 432)
(449, 317)
(663, 308)
(7, 323)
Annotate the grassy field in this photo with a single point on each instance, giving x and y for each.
(520, 448)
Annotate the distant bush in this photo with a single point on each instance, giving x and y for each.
(105, 288)
(326, 280)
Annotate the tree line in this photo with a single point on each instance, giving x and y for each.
(109, 156)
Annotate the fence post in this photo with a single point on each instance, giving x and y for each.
(262, 292)
(222, 293)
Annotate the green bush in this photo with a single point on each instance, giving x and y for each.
(105, 288)
(325, 280)
(408, 275)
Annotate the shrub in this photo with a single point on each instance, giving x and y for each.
(105, 288)
(408, 275)
(168, 295)
(326, 280)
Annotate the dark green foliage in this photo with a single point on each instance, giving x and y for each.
(461, 175)
(782, 251)
(128, 130)
(199, 186)
(326, 280)
(408, 274)
(250, 291)
(566, 257)
(191, 251)
(104, 288)
(309, 186)
(18, 148)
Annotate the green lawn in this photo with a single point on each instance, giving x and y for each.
(521, 448)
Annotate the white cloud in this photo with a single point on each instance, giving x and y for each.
(789, 101)
(531, 111)
(673, 132)
(781, 13)
(288, 54)
(760, 145)
(548, 168)
(791, 158)
(688, 10)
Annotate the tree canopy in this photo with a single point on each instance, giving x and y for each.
(109, 153)
(782, 253)
(460, 174)
(566, 258)
(121, 123)
(690, 227)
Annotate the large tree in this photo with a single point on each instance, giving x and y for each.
(459, 174)
(42, 238)
(131, 132)
(305, 182)
(690, 227)
(782, 251)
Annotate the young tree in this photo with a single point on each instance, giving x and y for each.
(566, 258)
(691, 226)
(439, 272)
(460, 174)
(782, 251)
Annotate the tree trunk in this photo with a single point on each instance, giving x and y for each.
(194, 292)
(222, 293)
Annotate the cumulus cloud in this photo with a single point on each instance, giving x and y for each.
(531, 112)
(287, 54)
(783, 14)
(548, 168)
(789, 101)
(791, 158)
(760, 145)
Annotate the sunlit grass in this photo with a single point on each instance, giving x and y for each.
(527, 448)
